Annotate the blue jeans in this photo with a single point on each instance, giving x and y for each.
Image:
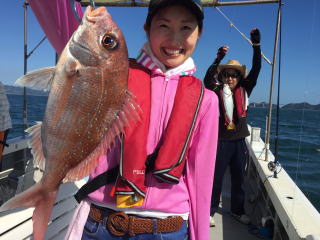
(97, 231)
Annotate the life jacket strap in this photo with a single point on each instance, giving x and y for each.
(105, 178)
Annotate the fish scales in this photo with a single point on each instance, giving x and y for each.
(89, 97)
(88, 106)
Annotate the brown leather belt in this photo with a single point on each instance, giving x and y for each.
(120, 224)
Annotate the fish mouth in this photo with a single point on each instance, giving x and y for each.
(80, 46)
(88, 50)
(93, 15)
(85, 55)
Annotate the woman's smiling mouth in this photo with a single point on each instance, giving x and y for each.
(172, 52)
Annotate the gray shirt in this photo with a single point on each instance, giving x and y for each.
(5, 120)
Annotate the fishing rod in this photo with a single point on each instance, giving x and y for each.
(242, 34)
(73, 7)
(267, 141)
(145, 3)
(26, 55)
(276, 162)
(25, 63)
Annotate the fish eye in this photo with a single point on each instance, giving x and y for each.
(109, 42)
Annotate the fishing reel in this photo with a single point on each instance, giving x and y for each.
(273, 166)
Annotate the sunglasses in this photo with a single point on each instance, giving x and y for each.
(232, 75)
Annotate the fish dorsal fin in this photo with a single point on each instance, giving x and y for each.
(38, 79)
(35, 144)
(129, 113)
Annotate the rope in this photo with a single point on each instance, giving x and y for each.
(41, 41)
(242, 34)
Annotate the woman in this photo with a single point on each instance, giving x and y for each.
(164, 187)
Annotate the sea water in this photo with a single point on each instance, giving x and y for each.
(298, 138)
(298, 145)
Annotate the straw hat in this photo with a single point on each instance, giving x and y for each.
(233, 64)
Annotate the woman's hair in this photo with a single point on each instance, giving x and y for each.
(195, 6)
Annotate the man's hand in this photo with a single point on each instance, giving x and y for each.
(255, 36)
(222, 52)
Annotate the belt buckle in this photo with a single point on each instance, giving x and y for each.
(113, 223)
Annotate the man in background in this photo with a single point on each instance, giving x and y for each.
(5, 120)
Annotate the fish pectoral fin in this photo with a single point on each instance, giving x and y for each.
(39, 79)
(71, 67)
(129, 115)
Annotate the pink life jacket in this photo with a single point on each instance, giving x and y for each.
(170, 158)
(240, 101)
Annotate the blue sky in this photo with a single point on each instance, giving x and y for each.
(300, 44)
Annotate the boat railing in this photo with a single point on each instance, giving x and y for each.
(279, 199)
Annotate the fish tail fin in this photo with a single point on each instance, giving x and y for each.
(42, 214)
(37, 197)
(28, 198)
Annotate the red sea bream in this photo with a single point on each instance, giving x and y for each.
(88, 106)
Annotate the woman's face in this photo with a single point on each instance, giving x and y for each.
(231, 77)
(173, 35)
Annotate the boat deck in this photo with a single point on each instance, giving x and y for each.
(227, 228)
(277, 199)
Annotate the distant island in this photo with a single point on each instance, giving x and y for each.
(304, 105)
(261, 105)
(19, 91)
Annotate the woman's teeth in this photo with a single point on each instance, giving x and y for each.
(172, 51)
